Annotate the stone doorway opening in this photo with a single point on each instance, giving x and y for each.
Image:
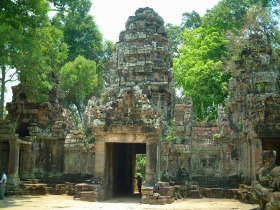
(4, 155)
(122, 167)
(272, 144)
(22, 129)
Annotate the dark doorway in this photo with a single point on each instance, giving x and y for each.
(272, 144)
(4, 155)
(121, 167)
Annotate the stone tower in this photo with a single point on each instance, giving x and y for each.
(137, 107)
(254, 108)
(142, 62)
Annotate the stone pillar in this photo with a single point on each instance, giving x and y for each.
(257, 154)
(151, 164)
(99, 156)
(252, 157)
(13, 177)
(26, 160)
(158, 169)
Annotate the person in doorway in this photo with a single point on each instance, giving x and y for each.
(139, 183)
(3, 182)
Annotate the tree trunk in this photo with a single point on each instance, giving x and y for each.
(2, 100)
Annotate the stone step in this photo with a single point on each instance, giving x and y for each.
(88, 196)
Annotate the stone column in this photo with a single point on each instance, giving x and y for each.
(99, 166)
(26, 160)
(99, 156)
(13, 177)
(151, 164)
(257, 154)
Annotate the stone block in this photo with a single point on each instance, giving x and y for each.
(89, 196)
(213, 192)
(163, 184)
(166, 191)
(147, 191)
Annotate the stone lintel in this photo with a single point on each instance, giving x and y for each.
(130, 138)
(142, 130)
(131, 129)
(125, 138)
(24, 142)
(7, 137)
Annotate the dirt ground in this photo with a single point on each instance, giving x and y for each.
(65, 202)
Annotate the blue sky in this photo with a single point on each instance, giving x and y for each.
(111, 15)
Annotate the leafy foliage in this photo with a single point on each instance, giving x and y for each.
(141, 165)
(80, 31)
(84, 39)
(30, 45)
(171, 132)
(78, 79)
(199, 69)
(260, 34)
(189, 21)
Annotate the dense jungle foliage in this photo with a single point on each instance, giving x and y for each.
(41, 38)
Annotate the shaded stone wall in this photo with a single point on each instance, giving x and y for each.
(207, 160)
(47, 158)
(183, 120)
(35, 134)
(78, 154)
(253, 110)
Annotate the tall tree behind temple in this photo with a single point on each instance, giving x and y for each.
(199, 69)
(189, 21)
(84, 39)
(78, 78)
(80, 31)
(30, 45)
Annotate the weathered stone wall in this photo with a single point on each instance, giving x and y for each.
(183, 120)
(138, 108)
(253, 110)
(47, 158)
(78, 155)
(36, 135)
(205, 160)
(205, 155)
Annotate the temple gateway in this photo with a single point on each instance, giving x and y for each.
(43, 152)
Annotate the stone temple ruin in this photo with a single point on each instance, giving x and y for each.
(43, 153)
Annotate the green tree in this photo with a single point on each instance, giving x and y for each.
(30, 45)
(226, 16)
(78, 78)
(81, 33)
(174, 33)
(103, 65)
(198, 69)
(260, 34)
(84, 39)
(141, 166)
(190, 20)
